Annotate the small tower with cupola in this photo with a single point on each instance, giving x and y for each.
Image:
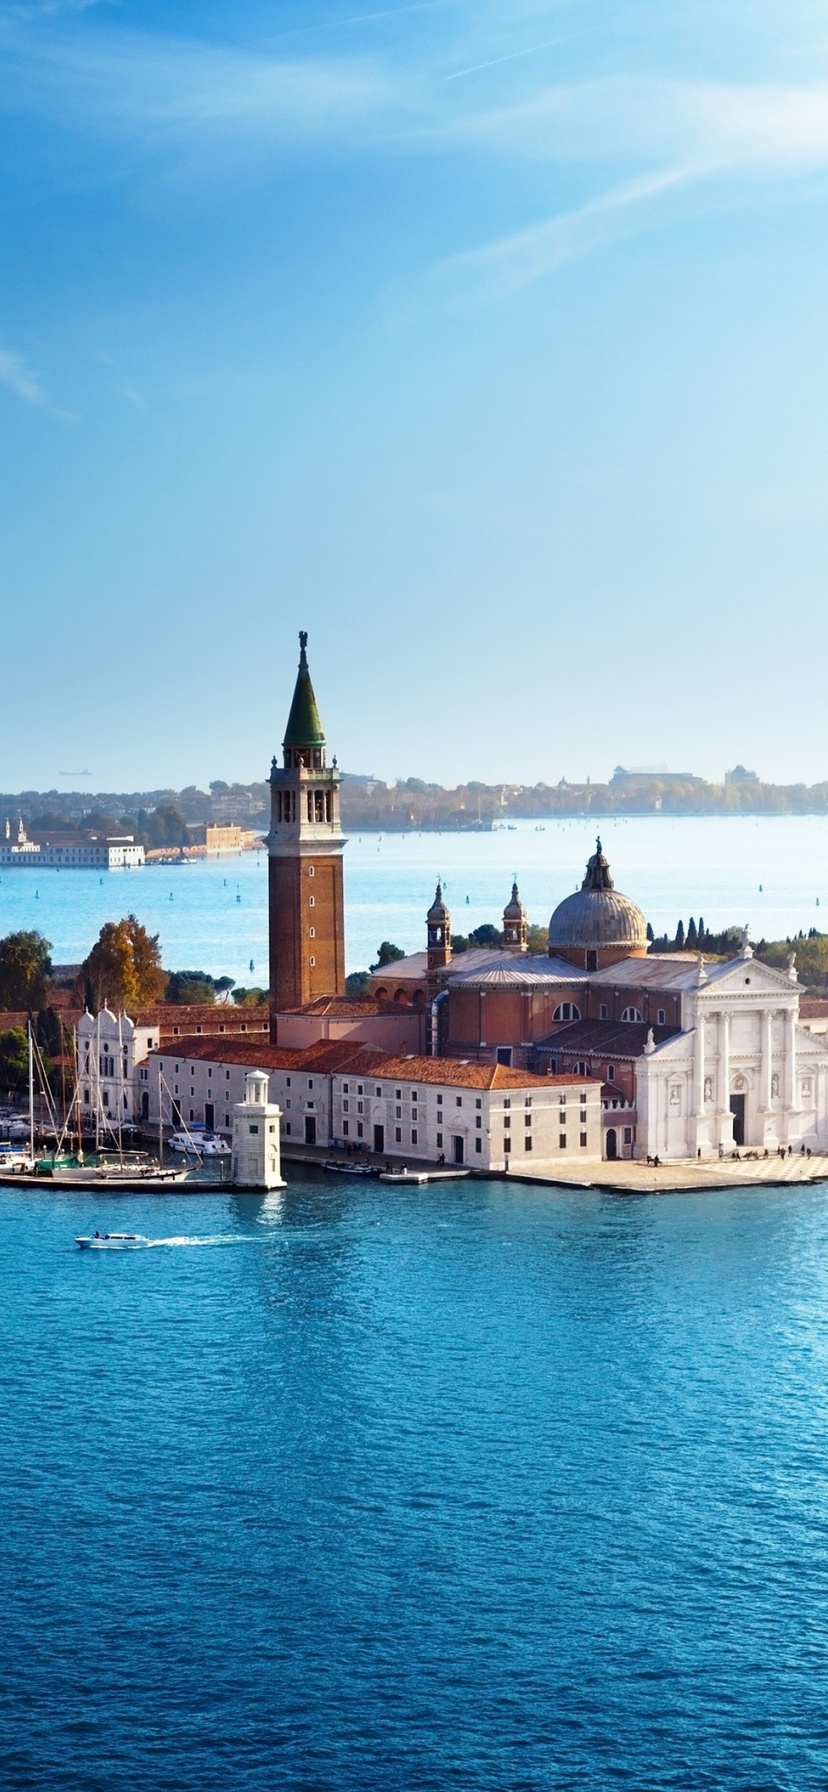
(305, 846)
(438, 923)
(515, 926)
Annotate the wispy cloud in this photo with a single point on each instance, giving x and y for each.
(19, 377)
(510, 263)
(165, 89)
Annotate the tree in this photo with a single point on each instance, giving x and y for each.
(692, 936)
(650, 934)
(190, 986)
(14, 1058)
(680, 936)
(356, 985)
(387, 954)
(486, 935)
(24, 970)
(537, 938)
(250, 998)
(123, 970)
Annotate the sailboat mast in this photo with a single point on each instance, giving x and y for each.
(31, 1090)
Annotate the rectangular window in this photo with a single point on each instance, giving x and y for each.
(507, 1145)
(439, 1099)
(602, 1012)
(398, 1113)
(527, 1143)
(478, 1120)
(377, 1092)
(413, 1095)
(360, 1129)
(583, 1117)
(398, 1094)
(360, 1090)
(360, 1107)
(528, 1102)
(477, 1102)
(507, 1101)
(458, 1100)
(345, 1106)
(227, 1121)
(345, 1087)
(562, 1141)
(439, 1140)
(287, 1129)
(478, 1144)
(583, 1140)
(398, 1135)
(414, 1135)
(287, 1080)
(287, 1103)
(345, 1126)
(527, 1119)
(660, 1017)
(310, 1082)
(252, 1127)
(627, 1135)
(610, 1073)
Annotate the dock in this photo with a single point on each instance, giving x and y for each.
(635, 1177)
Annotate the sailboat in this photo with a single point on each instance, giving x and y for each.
(113, 1166)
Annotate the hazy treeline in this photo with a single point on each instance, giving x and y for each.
(160, 817)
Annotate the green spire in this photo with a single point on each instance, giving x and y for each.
(304, 727)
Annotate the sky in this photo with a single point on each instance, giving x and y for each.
(483, 339)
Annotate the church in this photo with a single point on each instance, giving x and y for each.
(693, 1058)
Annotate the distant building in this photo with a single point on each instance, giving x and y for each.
(216, 840)
(85, 851)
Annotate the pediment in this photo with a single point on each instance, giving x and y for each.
(748, 976)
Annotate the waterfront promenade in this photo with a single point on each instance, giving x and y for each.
(634, 1177)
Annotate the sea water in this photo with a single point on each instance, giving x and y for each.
(211, 915)
(477, 1485)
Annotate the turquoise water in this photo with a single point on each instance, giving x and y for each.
(478, 1486)
(213, 915)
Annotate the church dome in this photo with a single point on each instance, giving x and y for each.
(597, 917)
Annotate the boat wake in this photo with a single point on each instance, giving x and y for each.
(220, 1238)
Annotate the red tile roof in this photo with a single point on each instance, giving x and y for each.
(351, 1058)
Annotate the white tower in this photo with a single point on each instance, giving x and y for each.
(257, 1159)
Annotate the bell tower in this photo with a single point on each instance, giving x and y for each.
(514, 923)
(305, 846)
(438, 924)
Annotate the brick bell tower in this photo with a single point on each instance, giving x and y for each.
(305, 846)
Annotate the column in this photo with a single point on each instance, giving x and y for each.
(698, 1066)
(791, 1086)
(767, 1061)
(724, 1063)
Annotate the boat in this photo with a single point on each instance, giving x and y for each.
(14, 1161)
(112, 1241)
(199, 1144)
(420, 1176)
(343, 1168)
(126, 1169)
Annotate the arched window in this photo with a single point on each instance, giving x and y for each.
(582, 1068)
(632, 1014)
(567, 1011)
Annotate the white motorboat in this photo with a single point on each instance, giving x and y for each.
(14, 1161)
(112, 1241)
(198, 1144)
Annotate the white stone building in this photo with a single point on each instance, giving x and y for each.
(111, 1047)
(482, 1115)
(741, 1073)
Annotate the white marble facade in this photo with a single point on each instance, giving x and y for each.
(743, 1073)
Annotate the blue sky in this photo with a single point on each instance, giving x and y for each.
(487, 341)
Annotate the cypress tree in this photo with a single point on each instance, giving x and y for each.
(701, 929)
(692, 936)
(680, 936)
